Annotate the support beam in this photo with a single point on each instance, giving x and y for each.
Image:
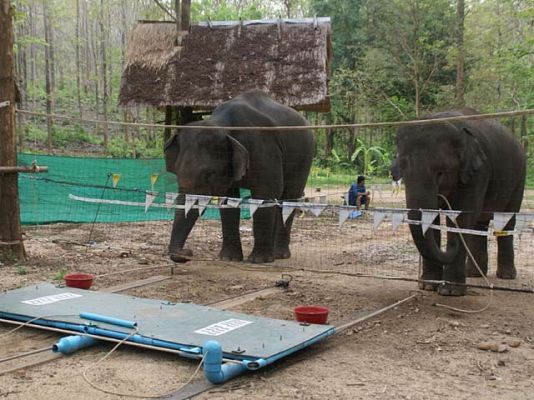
(29, 169)
(10, 230)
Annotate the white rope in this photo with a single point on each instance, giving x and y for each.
(307, 207)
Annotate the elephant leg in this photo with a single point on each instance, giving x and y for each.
(432, 270)
(478, 245)
(454, 272)
(505, 253)
(231, 246)
(181, 228)
(263, 226)
(282, 234)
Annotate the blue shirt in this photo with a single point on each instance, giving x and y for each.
(353, 193)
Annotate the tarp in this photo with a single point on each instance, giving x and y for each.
(44, 197)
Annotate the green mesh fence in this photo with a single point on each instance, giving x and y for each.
(74, 186)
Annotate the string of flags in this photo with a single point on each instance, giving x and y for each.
(397, 216)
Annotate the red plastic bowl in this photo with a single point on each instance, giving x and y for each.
(312, 314)
(80, 281)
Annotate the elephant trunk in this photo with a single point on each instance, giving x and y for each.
(426, 243)
(181, 228)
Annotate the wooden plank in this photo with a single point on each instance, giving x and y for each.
(36, 359)
(237, 301)
(135, 284)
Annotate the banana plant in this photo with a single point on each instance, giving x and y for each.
(369, 156)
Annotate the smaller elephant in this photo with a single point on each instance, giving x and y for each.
(274, 164)
(479, 167)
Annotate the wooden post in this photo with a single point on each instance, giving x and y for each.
(186, 14)
(11, 245)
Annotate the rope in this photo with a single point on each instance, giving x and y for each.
(294, 128)
(490, 285)
(144, 396)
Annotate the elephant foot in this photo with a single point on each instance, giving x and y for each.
(507, 273)
(231, 253)
(282, 253)
(473, 272)
(447, 289)
(181, 256)
(431, 287)
(258, 257)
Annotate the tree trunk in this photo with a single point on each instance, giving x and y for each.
(103, 74)
(78, 73)
(11, 245)
(32, 56)
(178, 12)
(51, 54)
(186, 14)
(48, 88)
(168, 121)
(460, 64)
(86, 50)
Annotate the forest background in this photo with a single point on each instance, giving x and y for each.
(393, 60)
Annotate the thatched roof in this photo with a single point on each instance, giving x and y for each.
(289, 59)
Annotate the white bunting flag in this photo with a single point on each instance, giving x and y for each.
(522, 220)
(254, 204)
(500, 220)
(233, 202)
(220, 200)
(343, 214)
(203, 201)
(190, 201)
(427, 217)
(149, 199)
(170, 198)
(317, 209)
(396, 219)
(378, 217)
(287, 208)
(451, 214)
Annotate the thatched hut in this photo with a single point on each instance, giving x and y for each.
(213, 62)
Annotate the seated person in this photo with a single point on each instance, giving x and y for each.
(358, 194)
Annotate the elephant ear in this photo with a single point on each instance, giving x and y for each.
(171, 153)
(473, 157)
(239, 159)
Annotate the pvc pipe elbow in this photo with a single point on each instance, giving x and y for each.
(214, 370)
(70, 344)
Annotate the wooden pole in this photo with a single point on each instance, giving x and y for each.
(30, 168)
(10, 230)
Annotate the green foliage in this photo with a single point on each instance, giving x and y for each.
(371, 157)
(21, 270)
(136, 148)
(60, 274)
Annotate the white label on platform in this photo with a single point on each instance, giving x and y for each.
(220, 328)
(41, 301)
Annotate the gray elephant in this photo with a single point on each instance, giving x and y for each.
(273, 164)
(480, 167)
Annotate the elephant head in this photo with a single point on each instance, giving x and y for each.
(207, 162)
(437, 159)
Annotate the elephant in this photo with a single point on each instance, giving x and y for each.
(479, 167)
(274, 164)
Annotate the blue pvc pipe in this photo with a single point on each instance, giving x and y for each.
(108, 320)
(188, 352)
(214, 370)
(70, 344)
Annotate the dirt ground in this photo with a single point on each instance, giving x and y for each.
(415, 351)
